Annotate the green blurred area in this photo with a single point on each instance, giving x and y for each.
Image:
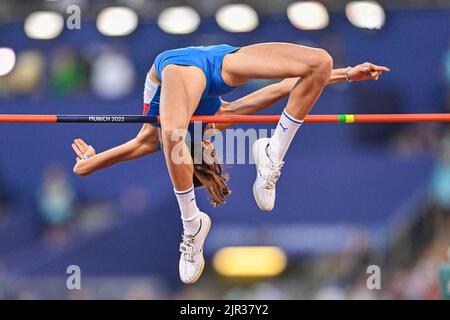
(444, 274)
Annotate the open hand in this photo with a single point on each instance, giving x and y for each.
(82, 149)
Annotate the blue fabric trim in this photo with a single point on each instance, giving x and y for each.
(184, 192)
(292, 119)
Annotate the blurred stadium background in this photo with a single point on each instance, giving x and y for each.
(351, 195)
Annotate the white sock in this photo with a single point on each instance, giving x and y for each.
(189, 210)
(282, 138)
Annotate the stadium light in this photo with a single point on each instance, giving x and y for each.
(308, 15)
(43, 25)
(179, 20)
(7, 60)
(112, 75)
(365, 14)
(237, 18)
(250, 261)
(117, 21)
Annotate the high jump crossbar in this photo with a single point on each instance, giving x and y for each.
(328, 118)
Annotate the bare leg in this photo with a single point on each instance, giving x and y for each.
(182, 88)
(279, 60)
(282, 60)
(311, 66)
(180, 94)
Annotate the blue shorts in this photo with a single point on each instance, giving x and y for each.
(207, 107)
(208, 59)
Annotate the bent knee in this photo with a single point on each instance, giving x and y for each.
(322, 65)
(328, 60)
(173, 135)
(318, 63)
(325, 59)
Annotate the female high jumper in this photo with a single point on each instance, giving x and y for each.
(189, 81)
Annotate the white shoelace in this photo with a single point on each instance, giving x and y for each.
(274, 174)
(187, 247)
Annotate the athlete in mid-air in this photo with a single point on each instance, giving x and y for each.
(189, 81)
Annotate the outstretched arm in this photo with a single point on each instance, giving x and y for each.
(264, 97)
(146, 142)
(361, 72)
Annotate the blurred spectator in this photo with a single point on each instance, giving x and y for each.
(5, 198)
(69, 72)
(26, 78)
(447, 77)
(440, 179)
(56, 204)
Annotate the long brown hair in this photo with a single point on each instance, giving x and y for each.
(209, 174)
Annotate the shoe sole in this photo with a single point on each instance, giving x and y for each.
(202, 267)
(254, 151)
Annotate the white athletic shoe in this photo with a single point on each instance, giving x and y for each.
(267, 174)
(192, 262)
